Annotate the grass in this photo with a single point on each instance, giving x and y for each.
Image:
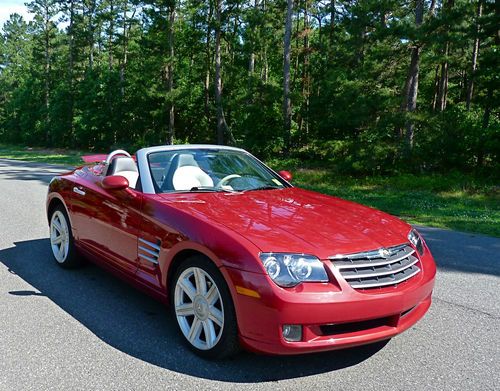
(452, 201)
(54, 156)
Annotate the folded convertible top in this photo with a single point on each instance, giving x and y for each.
(94, 158)
(100, 157)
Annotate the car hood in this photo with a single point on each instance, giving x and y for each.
(296, 220)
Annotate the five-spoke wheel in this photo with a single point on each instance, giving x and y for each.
(59, 236)
(61, 239)
(203, 308)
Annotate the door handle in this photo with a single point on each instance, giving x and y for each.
(78, 191)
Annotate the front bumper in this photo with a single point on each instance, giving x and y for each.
(333, 315)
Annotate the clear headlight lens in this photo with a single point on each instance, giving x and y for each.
(288, 270)
(415, 239)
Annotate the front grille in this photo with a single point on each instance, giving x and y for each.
(378, 268)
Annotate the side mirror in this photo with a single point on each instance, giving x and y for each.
(286, 175)
(115, 182)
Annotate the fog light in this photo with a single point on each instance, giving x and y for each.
(292, 332)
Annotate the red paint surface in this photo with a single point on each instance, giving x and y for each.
(232, 229)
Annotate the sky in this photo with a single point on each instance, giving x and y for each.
(8, 7)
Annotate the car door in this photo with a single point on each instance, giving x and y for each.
(108, 222)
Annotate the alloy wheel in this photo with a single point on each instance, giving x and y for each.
(199, 308)
(59, 236)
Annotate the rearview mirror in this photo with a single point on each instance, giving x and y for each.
(286, 175)
(115, 182)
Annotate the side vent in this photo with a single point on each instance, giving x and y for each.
(149, 251)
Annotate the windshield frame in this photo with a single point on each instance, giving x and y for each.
(150, 185)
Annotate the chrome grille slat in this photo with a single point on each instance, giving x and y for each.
(349, 274)
(378, 268)
(360, 285)
(348, 261)
(368, 254)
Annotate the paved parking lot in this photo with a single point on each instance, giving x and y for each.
(86, 330)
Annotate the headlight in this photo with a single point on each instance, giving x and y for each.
(288, 270)
(415, 239)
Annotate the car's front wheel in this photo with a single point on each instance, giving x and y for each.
(61, 239)
(204, 309)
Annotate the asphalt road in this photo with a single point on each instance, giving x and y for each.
(86, 330)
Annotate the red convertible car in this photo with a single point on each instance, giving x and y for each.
(243, 257)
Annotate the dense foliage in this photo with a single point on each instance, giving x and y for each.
(372, 86)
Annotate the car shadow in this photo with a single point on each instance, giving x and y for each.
(139, 326)
(451, 248)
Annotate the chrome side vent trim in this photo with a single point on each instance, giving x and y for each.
(378, 268)
(149, 251)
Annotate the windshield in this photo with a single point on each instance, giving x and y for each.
(210, 170)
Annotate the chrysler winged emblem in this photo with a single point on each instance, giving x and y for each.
(384, 253)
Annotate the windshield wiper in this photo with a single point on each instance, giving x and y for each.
(266, 187)
(209, 189)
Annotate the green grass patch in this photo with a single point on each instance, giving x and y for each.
(454, 201)
(53, 156)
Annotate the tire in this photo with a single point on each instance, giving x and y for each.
(61, 239)
(204, 310)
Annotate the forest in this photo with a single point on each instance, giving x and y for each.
(367, 86)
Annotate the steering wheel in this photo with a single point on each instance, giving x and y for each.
(116, 153)
(226, 179)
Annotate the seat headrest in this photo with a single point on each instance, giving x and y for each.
(186, 159)
(122, 163)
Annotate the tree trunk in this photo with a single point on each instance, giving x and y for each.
(412, 82)
(436, 88)
(486, 123)
(432, 8)
(305, 71)
(91, 12)
(111, 33)
(443, 82)
(126, 32)
(332, 21)
(475, 51)
(170, 71)
(71, 74)
(264, 72)
(493, 85)
(208, 61)
(47, 70)
(251, 62)
(287, 104)
(222, 127)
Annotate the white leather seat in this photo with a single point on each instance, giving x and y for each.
(126, 167)
(187, 177)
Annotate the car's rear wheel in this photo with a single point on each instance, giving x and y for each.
(61, 239)
(204, 310)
